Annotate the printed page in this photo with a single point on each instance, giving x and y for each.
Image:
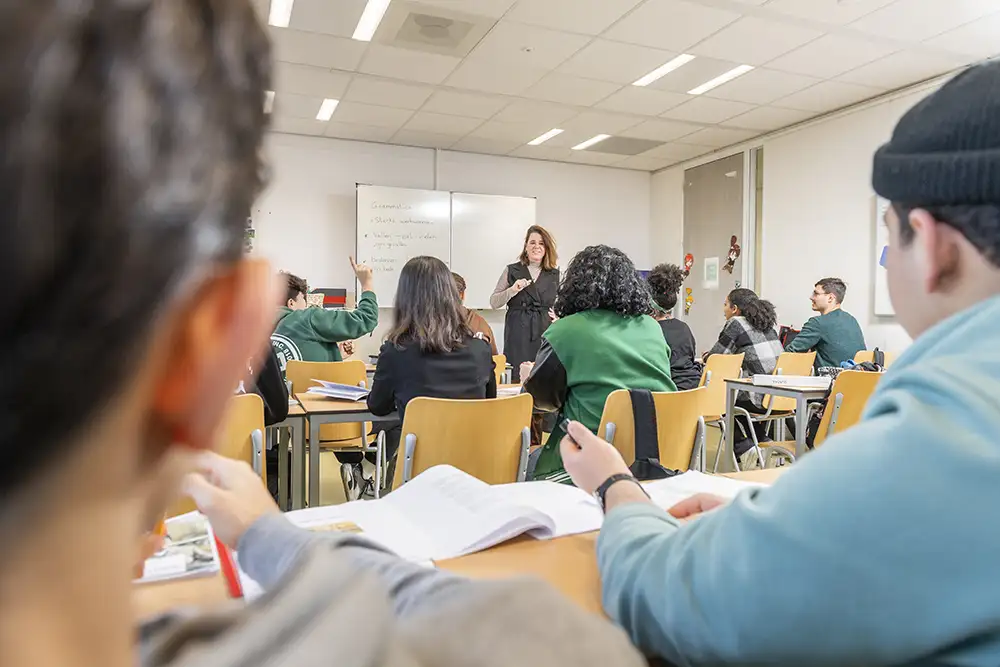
(570, 510)
(189, 550)
(668, 492)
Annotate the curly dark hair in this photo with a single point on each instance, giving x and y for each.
(665, 283)
(602, 278)
(759, 313)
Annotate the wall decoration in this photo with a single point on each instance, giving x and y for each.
(734, 254)
(711, 277)
(688, 300)
(688, 264)
(881, 303)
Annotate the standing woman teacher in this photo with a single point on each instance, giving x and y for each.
(528, 288)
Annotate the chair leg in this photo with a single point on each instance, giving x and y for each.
(379, 461)
(722, 444)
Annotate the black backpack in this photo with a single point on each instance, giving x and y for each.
(647, 464)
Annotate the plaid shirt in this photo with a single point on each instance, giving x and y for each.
(761, 349)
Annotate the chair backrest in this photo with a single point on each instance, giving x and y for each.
(487, 438)
(302, 375)
(848, 397)
(718, 369)
(678, 415)
(240, 437)
(500, 366)
(790, 363)
(869, 356)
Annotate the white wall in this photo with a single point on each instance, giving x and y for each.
(305, 221)
(667, 213)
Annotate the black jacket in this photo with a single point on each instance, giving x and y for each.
(405, 373)
(270, 385)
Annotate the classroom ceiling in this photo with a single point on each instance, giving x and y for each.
(489, 76)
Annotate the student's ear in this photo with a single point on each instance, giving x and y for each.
(221, 328)
(937, 248)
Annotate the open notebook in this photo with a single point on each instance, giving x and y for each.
(343, 391)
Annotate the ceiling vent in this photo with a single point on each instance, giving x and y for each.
(624, 146)
(441, 31)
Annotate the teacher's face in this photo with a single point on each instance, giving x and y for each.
(535, 247)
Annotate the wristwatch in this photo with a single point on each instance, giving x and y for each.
(602, 490)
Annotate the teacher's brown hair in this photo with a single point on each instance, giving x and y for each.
(551, 256)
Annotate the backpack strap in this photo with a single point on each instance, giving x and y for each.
(647, 444)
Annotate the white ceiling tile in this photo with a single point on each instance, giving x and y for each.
(472, 105)
(919, 20)
(703, 109)
(289, 105)
(594, 157)
(615, 61)
(338, 18)
(589, 17)
(754, 41)
(826, 11)
(491, 8)
(901, 69)
(828, 96)
(641, 163)
(769, 118)
(677, 152)
(387, 93)
(661, 130)
(543, 152)
(304, 80)
(642, 100)
(407, 64)
(480, 145)
(316, 49)
(358, 132)
(494, 77)
(831, 55)
(717, 137)
(674, 25)
(528, 111)
(425, 139)
(695, 73)
(369, 114)
(290, 125)
(571, 90)
(522, 133)
(979, 39)
(597, 122)
(437, 123)
(762, 86)
(527, 46)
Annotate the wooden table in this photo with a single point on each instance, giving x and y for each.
(295, 426)
(568, 563)
(802, 396)
(320, 410)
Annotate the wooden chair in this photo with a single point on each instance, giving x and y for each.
(849, 395)
(680, 426)
(869, 356)
(303, 374)
(718, 369)
(486, 438)
(240, 437)
(500, 367)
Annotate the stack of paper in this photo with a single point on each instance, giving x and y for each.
(668, 492)
(508, 390)
(798, 381)
(343, 391)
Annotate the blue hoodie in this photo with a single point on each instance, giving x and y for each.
(879, 548)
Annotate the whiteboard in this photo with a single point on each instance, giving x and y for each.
(487, 235)
(397, 224)
(882, 304)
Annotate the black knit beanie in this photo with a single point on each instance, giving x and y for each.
(946, 149)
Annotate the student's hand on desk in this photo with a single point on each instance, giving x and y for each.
(588, 459)
(230, 494)
(695, 505)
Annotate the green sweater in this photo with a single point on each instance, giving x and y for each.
(312, 334)
(583, 358)
(836, 337)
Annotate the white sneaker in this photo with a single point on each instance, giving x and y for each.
(350, 475)
(749, 460)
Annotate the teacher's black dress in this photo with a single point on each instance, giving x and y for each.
(527, 315)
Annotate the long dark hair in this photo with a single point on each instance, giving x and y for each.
(759, 313)
(602, 278)
(427, 310)
(665, 282)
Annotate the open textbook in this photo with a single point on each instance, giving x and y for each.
(668, 492)
(189, 550)
(346, 392)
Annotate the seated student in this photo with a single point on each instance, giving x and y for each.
(877, 538)
(749, 330)
(477, 323)
(430, 350)
(304, 333)
(834, 334)
(665, 283)
(603, 340)
(133, 133)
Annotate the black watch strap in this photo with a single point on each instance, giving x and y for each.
(602, 490)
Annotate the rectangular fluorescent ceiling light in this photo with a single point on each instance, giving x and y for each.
(370, 18)
(281, 13)
(664, 69)
(590, 142)
(721, 79)
(268, 101)
(545, 137)
(326, 109)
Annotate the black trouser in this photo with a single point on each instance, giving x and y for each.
(393, 431)
(743, 443)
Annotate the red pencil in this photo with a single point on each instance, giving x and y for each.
(229, 570)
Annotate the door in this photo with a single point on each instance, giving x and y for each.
(713, 215)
